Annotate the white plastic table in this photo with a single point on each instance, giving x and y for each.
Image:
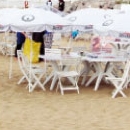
(99, 71)
(54, 62)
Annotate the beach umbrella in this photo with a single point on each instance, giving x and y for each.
(4, 21)
(86, 19)
(117, 26)
(31, 20)
(36, 20)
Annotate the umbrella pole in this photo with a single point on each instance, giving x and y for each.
(30, 65)
(11, 65)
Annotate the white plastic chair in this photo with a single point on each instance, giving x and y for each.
(120, 82)
(69, 68)
(32, 74)
(9, 43)
(50, 54)
(56, 38)
(2, 47)
(50, 59)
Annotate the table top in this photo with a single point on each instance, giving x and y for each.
(91, 57)
(103, 58)
(58, 56)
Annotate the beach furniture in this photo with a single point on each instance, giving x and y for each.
(120, 82)
(69, 68)
(32, 74)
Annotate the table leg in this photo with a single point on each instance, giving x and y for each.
(48, 78)
(53, 81)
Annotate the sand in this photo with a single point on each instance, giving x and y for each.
(49, 110)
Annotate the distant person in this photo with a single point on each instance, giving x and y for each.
(100, 6)
(20, 41)
(26, 4)
(74, 34)
(61, 5)
(39, 37)
(106, 6)
(49, 3)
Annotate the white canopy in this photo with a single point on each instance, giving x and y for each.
(32, 20)
(118, 26)
(85, 19)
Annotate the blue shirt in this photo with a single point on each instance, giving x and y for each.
(75, 33)
(20, 38)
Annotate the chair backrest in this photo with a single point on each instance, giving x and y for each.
(10, 38)
(57, 36)
(20, 60)
(23, 61)
(74, 63)
(52, 52)
(79, 49)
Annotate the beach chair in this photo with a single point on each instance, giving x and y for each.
(56, 38)
(120, 82)
(32, 74)
(48, 39)
(8, 43)
(69, 67)
(50, 54)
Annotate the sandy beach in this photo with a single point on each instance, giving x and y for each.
(49, 110)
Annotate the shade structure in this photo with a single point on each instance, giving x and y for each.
(4, 21)
(33, 20)
(117, 26)
(86, 19)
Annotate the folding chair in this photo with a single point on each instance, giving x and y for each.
(120, 82)
(3, 44)
(50, 59)
(69, 68)
(32, 74)
(2, 47)
(7, 46)
(52, 53)
(8, 43)
(56, 38)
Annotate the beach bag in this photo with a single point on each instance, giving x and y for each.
(31, 49)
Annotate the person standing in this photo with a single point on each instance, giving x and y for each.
(74, 34)
(49, 3)
(39, 37)
(20, 41)
(26, 4)
(61, 5)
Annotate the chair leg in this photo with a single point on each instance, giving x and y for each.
(58, 86)
(118, 91)
(61, 87)
(98, 81)
(37, 82)
(84, 79)
(91, 79)
(62, 91)
(20, 81)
